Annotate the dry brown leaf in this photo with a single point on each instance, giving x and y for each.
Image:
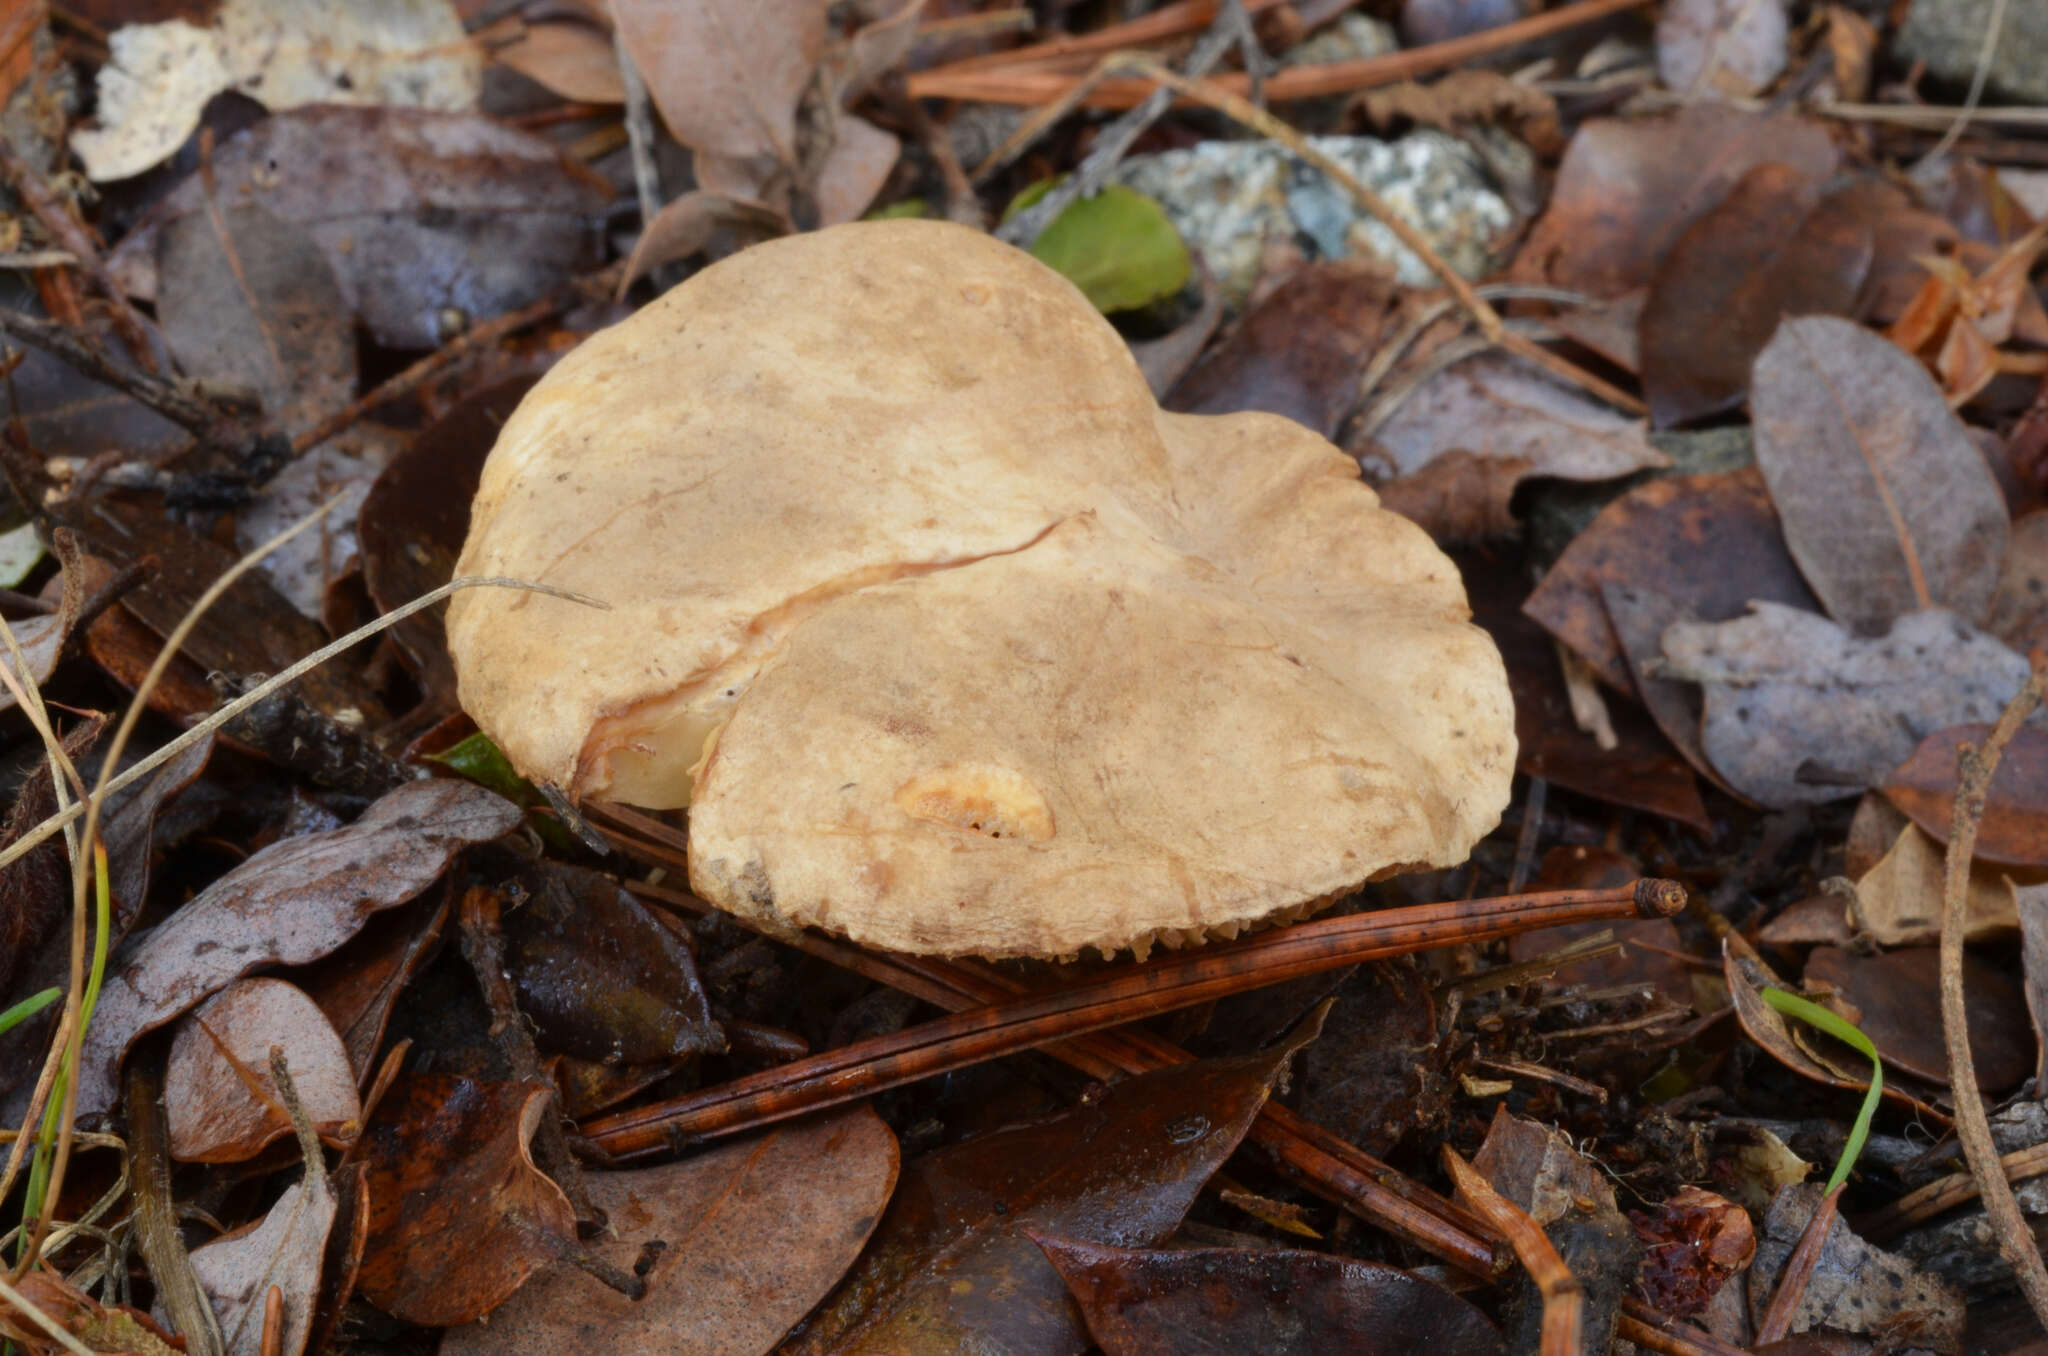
(573, 59)
(688, 223)
(1887, 505)
(1898, 901)
(753, 1234)
(288, 904)
(219, 1098)
(726, 74)
(1733, 48)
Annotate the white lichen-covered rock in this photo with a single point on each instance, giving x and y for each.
(1234, 200)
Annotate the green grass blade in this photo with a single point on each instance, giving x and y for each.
(1814, 1015)
(27, 1008)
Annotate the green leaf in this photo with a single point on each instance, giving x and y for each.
(908, 209)
(1814, 1015)
(1117, 247)
(478, 759)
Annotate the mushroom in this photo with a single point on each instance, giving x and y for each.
(949, 638)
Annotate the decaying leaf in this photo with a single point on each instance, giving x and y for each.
(1628, 188)
(285, 1250)
(1377, 1070)
(459, 1215)
(1887, 505)
(1797, 1047)
(448, 217)
(744, 1238)
(1727, 47)
(357, 985)
(1854, 1287)
(1277, 1301)
(1503, 410)
(290, 903)
(1709, 544)
(1772, 248)
(304, 568)
(220, 1100)
(952, 1266)
(248, 302)
(1799, 711)
(1692, 1245)
(282, 53)
(1898, 900)
(2014, 827)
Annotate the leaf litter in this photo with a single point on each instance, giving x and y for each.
(1711, 661)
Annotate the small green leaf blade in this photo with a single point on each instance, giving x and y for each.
(1118, 247)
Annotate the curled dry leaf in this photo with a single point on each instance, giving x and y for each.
(1505, 411)
(247, 301)
(566, 56)
(1897, 998)
(460, 1216)
(282, 53)
(1887, 505)
(1772, 248)
(726, 74)
(745, 1238)
(953, 1267)
(357, 985)
(1898, 900)
(1728, 47)
(448, 216)
(1801, 1050)
(2014, 828)
(220, 1100)
(688, 223)
(285, 1250)
(1277, 1301)
(1628, 188)
(288, 904)
(116, 1328)
(1799, 711)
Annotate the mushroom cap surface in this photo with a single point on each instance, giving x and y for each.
(951, 640)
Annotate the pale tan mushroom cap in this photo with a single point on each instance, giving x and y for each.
(999, 659)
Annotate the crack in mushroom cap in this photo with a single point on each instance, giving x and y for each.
(951, 640)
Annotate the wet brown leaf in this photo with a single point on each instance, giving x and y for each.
(102, 1327)
(1650, 947)
(1141, 1303)
(1898, 997)
(1299, 352)
(1628, 188)
(220, 1101)
(1729, 47)
(1639, 618)
(752, 1233)
(247, 302)
(459, 1215)
(1798, 711)
(1887, 505)
(1855, 1287)
(2014, 828)
(1708, 543)
(726, 74)
(1803, 1051)
(446, 215)
(1903, 233)
(285, 1250)
(598, 975)
(1378, 1068)
(952, 1267)
(1507, 412)
(288, 904)
(1770, 249)
(357, 985)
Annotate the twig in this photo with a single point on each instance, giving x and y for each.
(639, 132)
(156, 1216)
(1530, 834)
(167, 398)
(1945, 1194)
(1231, 28)
(1018, 83)
(67, 231)
(1798, 1270)
(1167, 21)
(1563, 1301)
(1976, 768)
(1982, 73)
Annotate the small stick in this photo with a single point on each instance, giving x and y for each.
(639, 132)
(167, 398)
(1167, 21)
(67, 231)
(1563, 1301)
(273, 1323)
(870, 1066)
(1799, 1270)
(1017, 83)
(156, 1216)
(1945, 1194)
(2002, 1211)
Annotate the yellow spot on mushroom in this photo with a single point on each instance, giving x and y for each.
(983, 798)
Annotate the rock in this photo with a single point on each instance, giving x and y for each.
(1349, 38)
(1948, 35)
(1238, 202)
